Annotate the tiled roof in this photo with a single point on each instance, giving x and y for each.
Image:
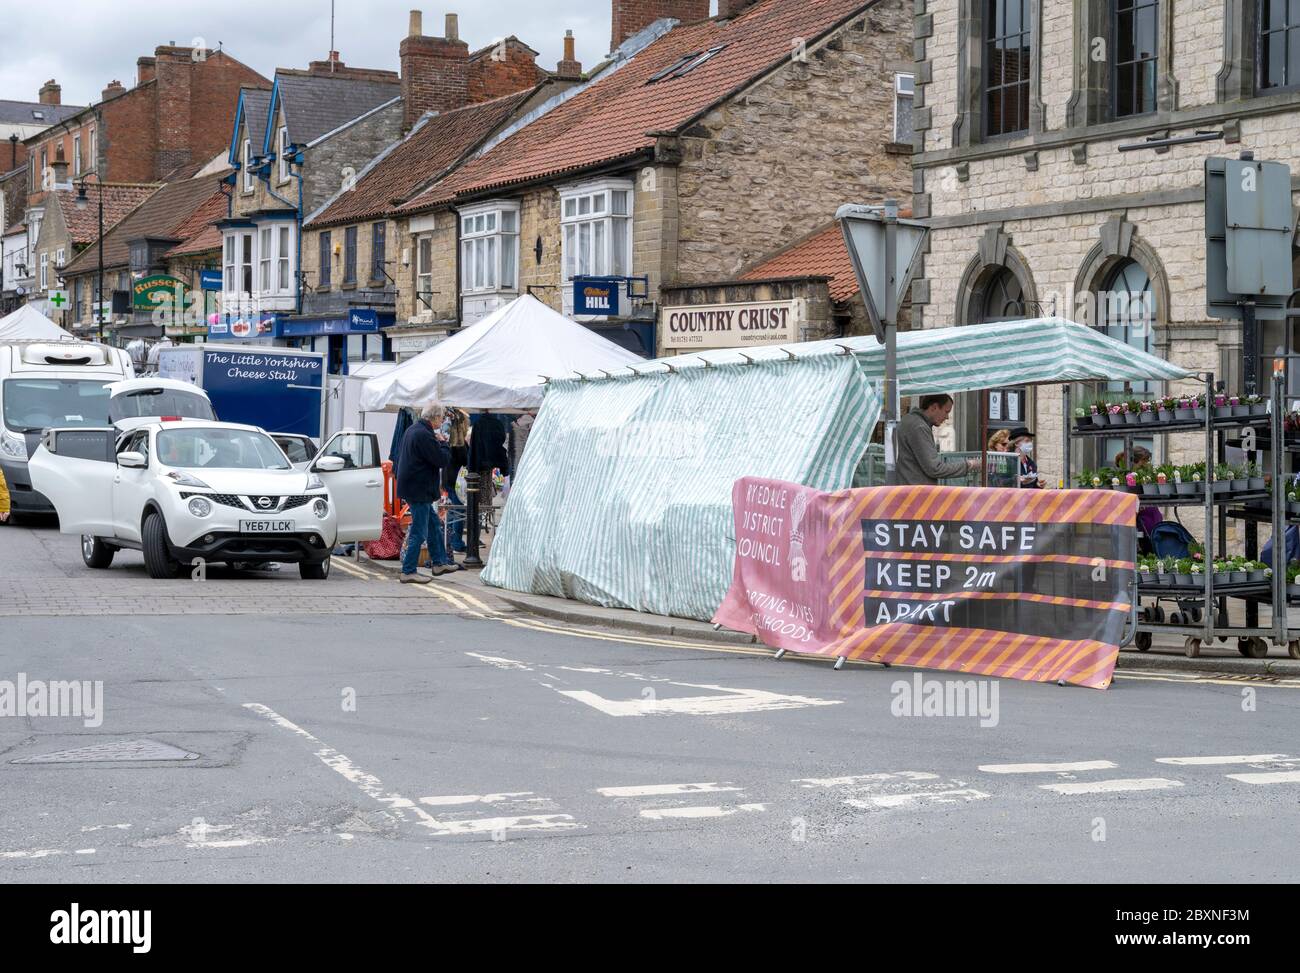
(25, 112)
(317, 104)
(436, 143)
(198, 234)
(161, 215)
(821, 254)
(613, 118)
(119, 200)
(257, 102)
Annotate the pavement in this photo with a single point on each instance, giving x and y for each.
(256, 727)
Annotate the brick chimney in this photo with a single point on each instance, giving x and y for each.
(174, 72)
(633, 16)
(146, 69)
(112, 90)
(435, 70)
(733, 8)
(570, 68)
(51, 93)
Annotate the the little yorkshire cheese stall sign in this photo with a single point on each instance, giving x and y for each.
(1020, 584)
(700, 326)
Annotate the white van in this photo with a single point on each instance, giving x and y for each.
(44, 384)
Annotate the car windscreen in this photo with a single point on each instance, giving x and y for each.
(158, 402)
(34, 404)
(226, 449)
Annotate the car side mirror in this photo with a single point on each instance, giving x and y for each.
(132, 460)
(329, 464)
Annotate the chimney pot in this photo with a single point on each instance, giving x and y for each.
(416, 28)
(453, 27)
(568, 46)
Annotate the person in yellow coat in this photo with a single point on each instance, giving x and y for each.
(4, 500)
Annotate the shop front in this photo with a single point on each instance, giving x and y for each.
(745, 314)
(346, 339)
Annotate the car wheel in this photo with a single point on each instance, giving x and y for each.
(95, 552)
(158, 560)
(314, 572)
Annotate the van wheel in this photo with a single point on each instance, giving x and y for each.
(158, 560)
(314, 572)
(95, 552)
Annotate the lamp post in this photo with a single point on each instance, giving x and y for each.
(82, 201)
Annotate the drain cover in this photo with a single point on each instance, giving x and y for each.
(126, 751)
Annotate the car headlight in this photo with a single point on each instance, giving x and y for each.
(185, 479)
(13, 446)
(200, 507)
(314, 482)
(321, 509)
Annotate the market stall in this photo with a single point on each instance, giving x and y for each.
(29, 324)
(625, 499)
(500, 363)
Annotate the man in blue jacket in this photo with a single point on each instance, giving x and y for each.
(423, 456)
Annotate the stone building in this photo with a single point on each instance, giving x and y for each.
(698, 150)
(1031, 121)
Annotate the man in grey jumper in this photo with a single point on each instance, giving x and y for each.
(918, 462)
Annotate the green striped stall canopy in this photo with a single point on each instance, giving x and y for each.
(623, 498)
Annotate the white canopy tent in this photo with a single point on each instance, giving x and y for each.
(29, 324)
(501, 362)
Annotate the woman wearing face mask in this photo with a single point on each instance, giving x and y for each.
(1022, 444)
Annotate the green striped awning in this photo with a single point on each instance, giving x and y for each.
(624, 495)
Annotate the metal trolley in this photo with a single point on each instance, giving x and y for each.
(1202, 613)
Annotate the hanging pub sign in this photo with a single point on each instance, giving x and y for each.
(701, 326)
(595, 297)
(154, 291)
(1023, 584)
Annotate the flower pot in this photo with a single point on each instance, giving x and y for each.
(1293, 591)
(1259, 409)
(1240, 486)
(1184, 415)
(1256, 484)
(1293, 508)
(1241, 411)
(1165, 489)
(1221, 486)
(1187, 489)
(1131, 418)
(1240, 577)
(1256, 576)
(1184, 580)
(1098, 418)
(1222, 578)
(1144, 577)
(1165, 415)
(1146, 418)
(1083, 422)
(1149, 490)
(1115, 418)
(1199, 413)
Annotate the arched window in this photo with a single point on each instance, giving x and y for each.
(1126, 311)
(1003, 299)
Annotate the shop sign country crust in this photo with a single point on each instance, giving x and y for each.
(1029, 585)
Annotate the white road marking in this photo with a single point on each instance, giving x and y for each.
(864, 780)
(34, 853)
(1278, 777)
(1061, 768)
(920, 797)
(368, 784)
(538, 822)
(733, 701)
(103, 827)
(1113, 786)
(499, 662)
(660, 814)
(1257, 758)
(453, 800)
(655, 790)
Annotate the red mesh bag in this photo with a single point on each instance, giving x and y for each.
(389, 545)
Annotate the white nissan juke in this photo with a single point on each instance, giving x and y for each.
(193, 492)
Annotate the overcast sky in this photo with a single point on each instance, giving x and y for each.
(84, 44)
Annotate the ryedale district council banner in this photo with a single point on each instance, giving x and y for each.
(1019, 584)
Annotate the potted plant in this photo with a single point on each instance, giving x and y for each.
(1132, 412)
(1198, 576)
(1240, 481)
(1116, 483)
(1184, 410)
(1293, 502)
(1256, 478)
(1165, 480)
(1222, 572)
(1222, 410)
(1260, 406)
(1257, 571)
(1293, 581)
(1147, 482)
(1147, 412)
(1115, 414)
(1183, 572)
(1144, 570)
(1183, 485)
(1166, 408)
(1240, 408)
(1223, 474)
(1237, 567)
(1098, 413)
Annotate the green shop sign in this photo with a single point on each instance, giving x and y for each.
(157, 291)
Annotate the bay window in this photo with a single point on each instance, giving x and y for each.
(596, 224)
(489, 247)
